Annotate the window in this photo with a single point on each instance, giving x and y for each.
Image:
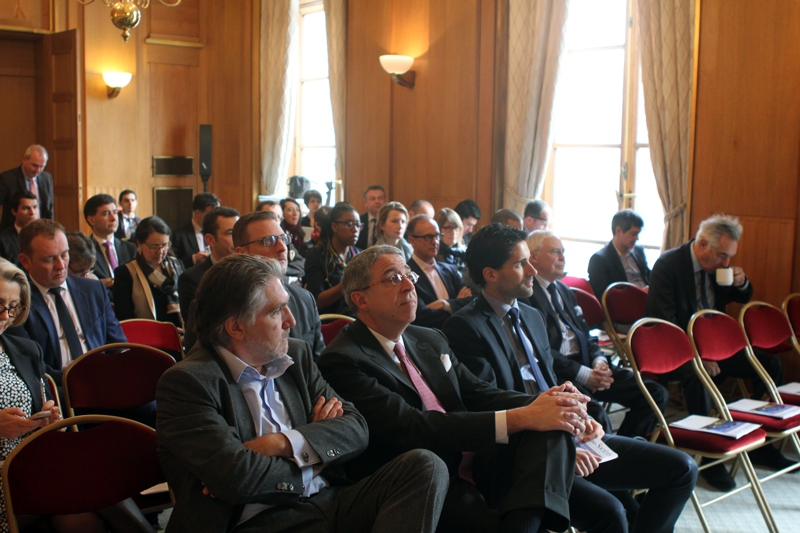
(315, 142)
(601, 157)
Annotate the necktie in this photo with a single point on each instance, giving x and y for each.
(67, 325)
(371, 240)
(112, 258)
(703, 293)
(34, 188)
(565, 319)
(541, 382)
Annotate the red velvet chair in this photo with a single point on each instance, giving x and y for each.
(623, 304)
(161, 335)
(578, 283)
(332, 324)
(658, 347)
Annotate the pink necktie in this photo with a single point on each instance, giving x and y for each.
(34, 188)
(112, 258)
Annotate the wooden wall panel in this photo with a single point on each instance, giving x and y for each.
(767, 237)
(182, 23)
(173, 110)
(17, 98)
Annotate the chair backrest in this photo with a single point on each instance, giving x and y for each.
(53, 472)
(624, 303)
(331, 329)
(716, 336)
(765, 325)
(578, 283)
(103, 379)
(161, 335)
(657, 346)
(791, 308)
(51, 384)
(592, 310)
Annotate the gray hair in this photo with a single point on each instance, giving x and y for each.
(536, 238)
(715, 226)
(358, 273)
(232, 288)
(36, 148)
(11, 274)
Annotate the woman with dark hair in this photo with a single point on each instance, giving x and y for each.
(313, 200)
(291, 222)
(147, 287)
(326, 262)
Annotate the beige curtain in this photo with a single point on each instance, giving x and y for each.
(336, 26)
(278, 89)
(666, 41)
(536, 41)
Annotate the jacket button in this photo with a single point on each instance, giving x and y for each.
(331, 453)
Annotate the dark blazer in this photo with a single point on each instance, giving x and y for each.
(26, 356)
(203, 414)
(126, 251)
(97, 321)
(184, 244)
(9, 244)
(124, 306)
(12, 181)
(188, 283)
(673, 292)
(605, 268)
(449, 275)
(120, 233)
(478, 339)
(362, 242)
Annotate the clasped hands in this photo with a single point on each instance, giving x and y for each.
(559, 408)
(600, 377)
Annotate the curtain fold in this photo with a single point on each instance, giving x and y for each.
(666, 42)
(336, 27)
(536, 43)
(278, 89)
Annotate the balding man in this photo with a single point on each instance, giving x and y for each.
(29, 176)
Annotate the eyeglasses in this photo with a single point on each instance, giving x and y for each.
(429, 238)
(396, 279)
(350, 224)
(540, 218)
(556, 252)
(157, 247)
(12, 310)
(80, 273)
(270, 240)
(448, 229)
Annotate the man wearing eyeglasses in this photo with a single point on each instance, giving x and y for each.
(537, 215)
(414, 393)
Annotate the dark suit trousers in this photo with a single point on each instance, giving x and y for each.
(668, 473)
(404, 495)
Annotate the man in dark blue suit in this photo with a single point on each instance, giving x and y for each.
(621, 259)
(69, 315)
(374, 198)
(25, 208)
(505, 342)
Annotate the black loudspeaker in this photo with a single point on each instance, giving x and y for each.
(205, 149)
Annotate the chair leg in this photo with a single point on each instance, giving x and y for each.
(700, 514)
(758, 492)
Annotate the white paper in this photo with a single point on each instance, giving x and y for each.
(790, 388)
(715, 426)
(598, 448)
(758, 407)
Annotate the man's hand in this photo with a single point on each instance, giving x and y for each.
(600, 378)
(108, 282)
(585, 463)
(554, 409)
(594, 430)
(465, 292)
(711, 367)
(440, 304)
(272, 445)
(327, 411)
(738, 276)
(199, 257)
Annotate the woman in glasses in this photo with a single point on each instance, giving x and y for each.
(450, 250)
(392, 222)
(326, 262)
(147, 287)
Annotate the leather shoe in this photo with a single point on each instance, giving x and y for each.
(770, 457)
(719, 478)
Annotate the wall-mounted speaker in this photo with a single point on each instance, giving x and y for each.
(205, 150)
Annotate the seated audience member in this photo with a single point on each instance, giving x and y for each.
(537, 215)
(374, 198)
(25, 208)
(621, 259)
(576, 354)
(291, 222)
(81, 255)
(29, 176)
(450, 250)
(100, 212)
(296, 270)
(271, 205)
(69, 315)
(326, 262)
(683, 281)
(188, 242)
(507, 217)
(254, 401)
(414, 393)
(147, 286)
(504, 342)
(127, 221)
(259, 234)
(320, 219)
(313, 201)
(420, 207)
(24, 394)
(218, 235)
(392, 221)
(470, 214)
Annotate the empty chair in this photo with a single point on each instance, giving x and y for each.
(623, 304)
(161, 335)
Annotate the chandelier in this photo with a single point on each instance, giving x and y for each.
(127, 14)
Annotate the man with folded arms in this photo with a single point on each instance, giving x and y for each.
(415, 394)
(251, 437)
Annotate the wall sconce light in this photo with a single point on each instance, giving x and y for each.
(398, 67)
(116, 81)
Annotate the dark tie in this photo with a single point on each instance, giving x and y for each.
(703, 293)
(565, 319)
(371, 237)
(541, 382)
(67, 325)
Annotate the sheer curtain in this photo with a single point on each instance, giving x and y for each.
(536, 41)
(336, 26)
(666, 40)
(278, 89)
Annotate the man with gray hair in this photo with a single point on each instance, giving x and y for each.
(683, 282)
(29, 176)
(250, 436)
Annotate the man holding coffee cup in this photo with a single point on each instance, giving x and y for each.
(698, 275)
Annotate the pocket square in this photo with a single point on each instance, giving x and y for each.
(446, 362)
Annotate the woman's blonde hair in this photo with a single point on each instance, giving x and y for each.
(383, 215)
(11, 274)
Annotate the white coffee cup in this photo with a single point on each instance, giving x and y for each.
(725, 277)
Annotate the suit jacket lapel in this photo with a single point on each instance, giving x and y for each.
(82, 307)
(447, 281)
(43, 312)
(615, 261)
(432, 369)
(424, 288)
(543, 302)
(495, 325)
(373, 349)
(244, 419)
(690, 283)
(540, 345)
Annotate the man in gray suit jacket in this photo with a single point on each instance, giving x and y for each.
(29, 176)
(250, 436)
